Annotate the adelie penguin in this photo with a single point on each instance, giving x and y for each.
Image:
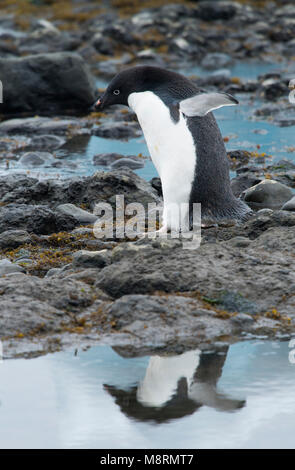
(183, 139)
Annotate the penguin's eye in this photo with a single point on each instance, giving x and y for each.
(116, 92)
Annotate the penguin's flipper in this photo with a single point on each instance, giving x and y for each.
(204, 103)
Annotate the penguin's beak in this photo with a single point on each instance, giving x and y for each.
(99, 104)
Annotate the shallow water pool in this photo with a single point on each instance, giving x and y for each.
(236, 123)
(241, 397)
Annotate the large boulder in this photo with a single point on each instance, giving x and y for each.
(267, 194)
(30, 304)
(34, 218)
(51, 83)
(90, 190)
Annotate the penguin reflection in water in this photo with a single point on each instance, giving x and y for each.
(176, 386)
(184, 142)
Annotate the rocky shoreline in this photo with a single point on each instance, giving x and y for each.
(188, 31)
(60, 285)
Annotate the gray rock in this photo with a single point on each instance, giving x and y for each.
(64, 164)
(265, 212)
(242, 319)
(20, 317)
(91, 259)
(157, 185)
(211, 269)
(14, 238)
(238, 158)
(129, 163)
(143, 19)
(240, 242)
(272, 89)
(235, 302)
(283, 31)
(284, 164)
(31, 159)
(21, 189)
(7, 267)
(219, 78)
(80, 215)
(147, 54)
(22, 253)
(129, 249)
(55, 83)
(203, 295)
(216, 60)
(37, 125)
(263, 221)
(110, 67)
(242, 182)
(24, 261)
(4, 146)
(285, 119)
(289, 47)
(267, 194)
(222, 74)
(117, 130)
(34, 218)
(267, 110)
(284, 218)
(82, 231)
(282, 117)
(182, 47)
(47, 141)
(29, 303)
(102, 44)
(156, 319)
(43, 27)
(289, 205)
(53, 271)
(211, 10)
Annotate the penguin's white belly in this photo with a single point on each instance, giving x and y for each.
(171, 147)
(162, 376)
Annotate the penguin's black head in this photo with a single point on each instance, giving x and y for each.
(138, 79)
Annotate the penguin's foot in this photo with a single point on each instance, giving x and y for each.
(209, 225)
(163, 231)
